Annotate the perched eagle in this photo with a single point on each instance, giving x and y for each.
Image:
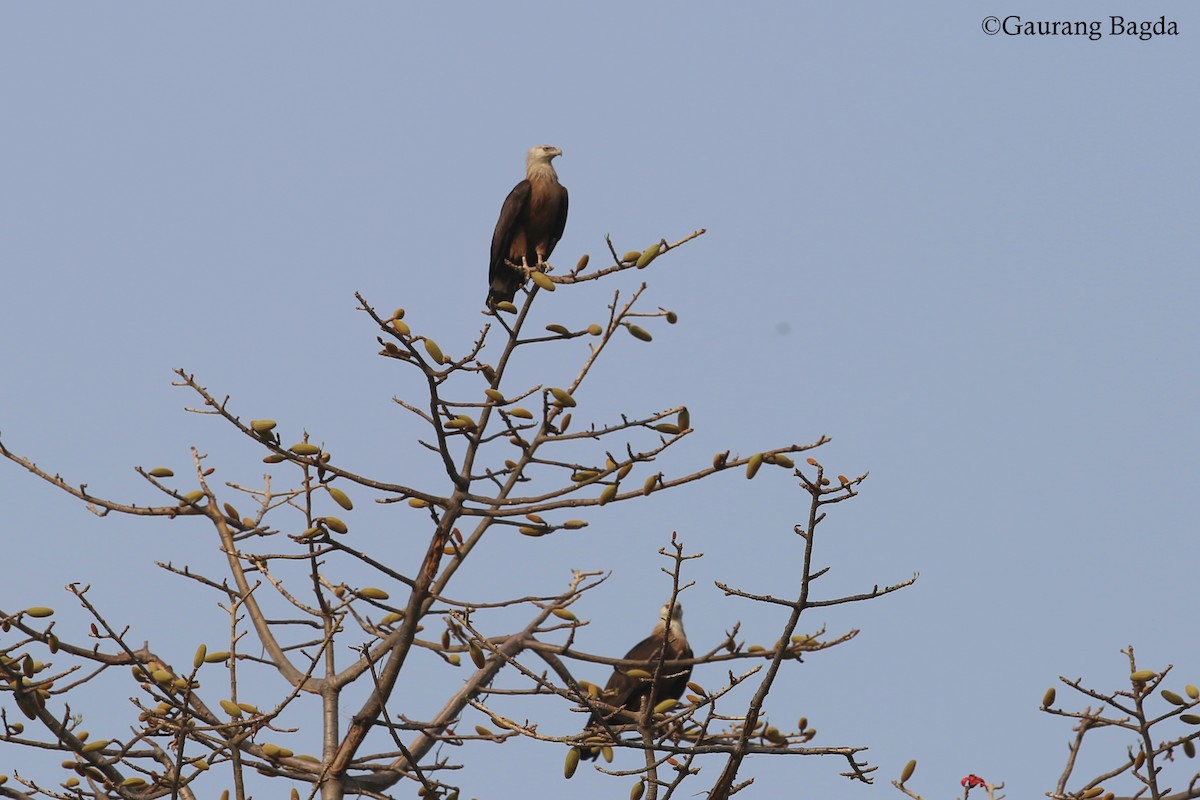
(531, 223)
(627, 692)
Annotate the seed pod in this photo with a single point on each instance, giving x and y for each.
(697, 688)
(340, 497)
(648, 255)
(372, 593)
(608, 494)
(52, 643)
(232, 709)
(574, 524)
(1048, 698)
(672, 317)
(1173, 698)
(217, 657)
(684, 419)
(335, 524)
(201, 653)
(133, 783)
(231, 512)
(562, 397)
(594, 329)
(529, 530)
(638, 673)
(92, 747)
(606, 753)
(249, 708)
(161, 676)
(191, 498)
(391, 617)
(582, 475)
(459, 423)
(506, 305)
(305, 449)
(572, 762)
(273, 458)
(640, 333)
(1139, 759)
(160, 472)
(775, 736)
(262, 425)
(637, 791)
(755, 648)
(543, 281)
(719, 460)
(669, 428)
(401, 327)
(495, 395)
(39, 612)
(650, 483)
(1142, 675)
(1192, 692)
(783, 461)
(522, 413)
(908, 770)
(1095, 791)
(1190, 719)
(565, 613)
(435, 352)
(1189, 748)
(631, 257)
(417, 502)
(664, 706)
(753, 464)
(477, 657)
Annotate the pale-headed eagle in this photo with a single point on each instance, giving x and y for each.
(624, 691)
(531, 223)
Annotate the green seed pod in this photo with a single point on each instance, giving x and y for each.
(417, 502)
(305, 449)
(1192, 692)
(398, 313)
(594, 329)
(606, 753)
(274, 458)
(133, 783)
(39, 612)
(334, 524)
(459, 424)
(262, 425)
(340, 497)
(199, 658)
(454, 659)
(505, 305)
(663, 706)
(434, 351)
(669, 428)
(1142, 675)
(231, 512)
(774, 736)
(401, 327)
(522, 413)
(697, 688)
(92, 747)
(191, 497)
(572, 762)
(1189, 748)
(217, 657)
(543, 281)
(753, 464)
(1095, 791)
(648, 255)
(565, 613)
(608, 494)
(482, 731)
(574, 524)
(160, 472)
(495, 395)
(582, 475)
(529, 530)
(638, 673)
(684, 419)
(562, 397)
(637, 791)
(392, 618)
(650, 483)
(631, 257)
(1048, 698)
(783, 461)
(372, 593)
(1173, 698)
(476, 655)
(908, 770)
(640, 333)
(1190, 719)
(581, 263)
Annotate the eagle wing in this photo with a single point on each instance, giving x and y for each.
(501, 278)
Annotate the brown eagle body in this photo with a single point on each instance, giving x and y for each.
(623, 691)
(531, 223)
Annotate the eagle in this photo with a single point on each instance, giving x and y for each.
(625, 691)
(531, 223)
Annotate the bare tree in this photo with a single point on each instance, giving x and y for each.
(510, 461)
(1153, 732)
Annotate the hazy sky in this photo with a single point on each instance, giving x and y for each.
(965, 257)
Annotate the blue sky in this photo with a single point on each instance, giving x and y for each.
(964, 257)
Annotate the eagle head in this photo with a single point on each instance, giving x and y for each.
(672, 616)
(542, 154)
